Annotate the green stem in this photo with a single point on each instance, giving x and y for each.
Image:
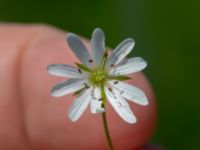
(108, 139)
(107, 131)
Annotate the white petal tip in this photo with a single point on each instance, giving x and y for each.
(70, 37)
(145, 103)
(56, 94)
(97, 112)
(50, 71)
(49, 68)
(132, 121)
(71, 117)
(144, 63)
(98, 29)
(132, 41)
(72, 120)
(142, 102)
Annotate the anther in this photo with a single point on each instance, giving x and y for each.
(112, 65)
(90, 60)
(86, 86)
(79, 70)
(105, 54)
(121, 92)
(100, 99)
(110, 89)
(116, 82)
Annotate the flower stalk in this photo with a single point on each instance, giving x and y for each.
(108, 139)
(105, 124)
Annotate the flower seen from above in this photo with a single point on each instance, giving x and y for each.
(100, 77)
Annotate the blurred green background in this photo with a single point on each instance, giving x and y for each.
(167, 35)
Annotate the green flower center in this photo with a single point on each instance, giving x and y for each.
(98, 77)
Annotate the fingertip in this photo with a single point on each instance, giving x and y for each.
(41, 113)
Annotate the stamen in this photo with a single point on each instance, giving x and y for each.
(105, 54)
(91, 61)
(121, 104)
(79, 70)
(86, 86)
(100, 99)
(112, 65)
(121, 92)
(110, 89)
(116, 82)
(114, 96)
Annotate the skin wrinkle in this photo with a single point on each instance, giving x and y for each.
(32, 34)
(35, 37)
(14, 57)
(18, 67)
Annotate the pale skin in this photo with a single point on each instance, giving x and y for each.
(30, 118)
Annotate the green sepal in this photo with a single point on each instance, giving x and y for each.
(78, 92)
(119, 78)
(83, 67)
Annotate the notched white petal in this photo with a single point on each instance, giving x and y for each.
(79, 105)
(131, 65)
(96, 103)
(121, 106)
(98, 45)
(66, 87)
(78, 48)
(64, 70)
(97, 93)
(120, 52)
(96, 106)
(130, 92)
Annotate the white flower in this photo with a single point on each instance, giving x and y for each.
(100, 76)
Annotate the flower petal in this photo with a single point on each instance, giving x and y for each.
(130, 92)
(120, 52)
(78, 48)
(95, 106)
(97, 93)
(67, 87)
(63, 70)
(98, 45)
(80, 104)
(132, 65)
(121, 106)
(96, 102)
